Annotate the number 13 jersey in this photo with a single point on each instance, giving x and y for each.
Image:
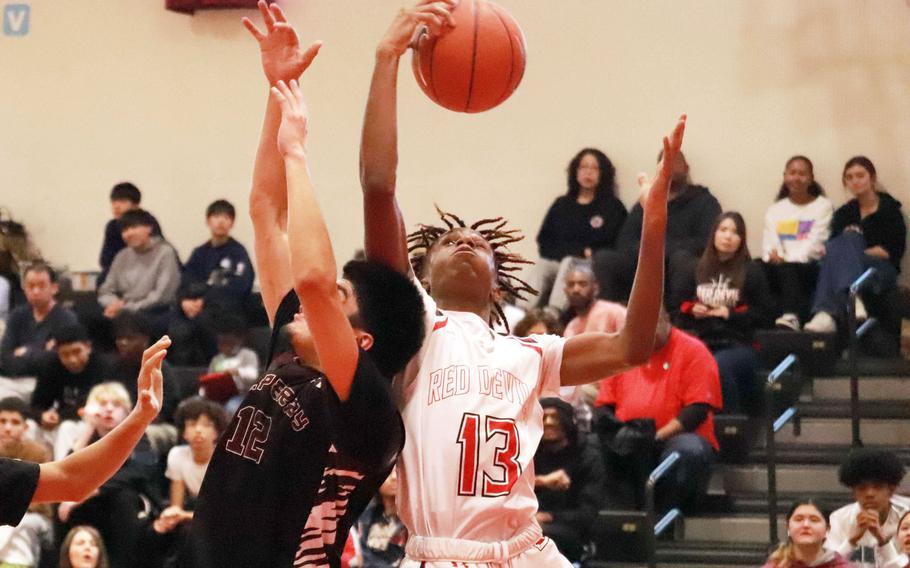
(469, 401)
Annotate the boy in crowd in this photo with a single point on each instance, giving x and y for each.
(241, 363)
(862, 531)
(124, 197)
(221, 263)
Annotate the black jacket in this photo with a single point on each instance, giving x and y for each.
(885, 228)
(570, 227)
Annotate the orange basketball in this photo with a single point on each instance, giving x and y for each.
(477, 64)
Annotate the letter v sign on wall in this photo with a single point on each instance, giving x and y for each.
(16, 19)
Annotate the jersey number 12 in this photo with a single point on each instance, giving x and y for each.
(250, 434)
(505, 453)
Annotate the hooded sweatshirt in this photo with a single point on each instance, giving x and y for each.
(885, 228)
(143, 279)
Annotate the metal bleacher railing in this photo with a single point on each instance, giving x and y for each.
(853, 337)
(773, 427)
(665, 521)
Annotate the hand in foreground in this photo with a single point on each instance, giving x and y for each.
(149, 385)
(279, 46)
(428, 16)
(294, 116)
(655, 194)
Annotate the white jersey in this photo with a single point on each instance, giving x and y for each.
(469, 401)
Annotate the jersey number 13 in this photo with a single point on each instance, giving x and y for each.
(499, 431)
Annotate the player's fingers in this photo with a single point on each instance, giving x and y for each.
(278, 13)
(266, 15)
(279, 96)
(298, 94)
(286, 93)
(253, 29)
(310, 54)
(679, 132)
(443, 10)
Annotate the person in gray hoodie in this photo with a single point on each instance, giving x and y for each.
(144, 276)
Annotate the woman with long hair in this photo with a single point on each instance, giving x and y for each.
(866, 232)
(578, 224)
(807, 527)
(796, 229)
(83, 548)
(731, 301)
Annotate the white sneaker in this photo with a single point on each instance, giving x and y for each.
(861, 313)
(788, 321)
(822, 322)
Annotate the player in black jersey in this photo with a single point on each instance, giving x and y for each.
(318, 433)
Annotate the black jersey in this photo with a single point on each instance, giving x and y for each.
(18, 482)
(294, 469)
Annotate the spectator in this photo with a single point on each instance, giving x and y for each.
(578, 224)
(731, 301)
(861, 531)
(901, 543)
(190, 327)
(133, 334)
(689, 214)
(382, 534)
(569, 479)
(866, 232)
(4, 300)
(222, 263)
(21, 545)
(537, 321)
(114, 509)
(796, 229)
(83, 548)
(807, 526)
(241, 363)
(63, 386)
(27, 343)
(666, 405)
(124, 197)
(145, 275)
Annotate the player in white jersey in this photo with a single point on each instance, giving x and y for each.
(469, 398)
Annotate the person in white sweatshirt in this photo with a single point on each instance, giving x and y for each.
(796, 229)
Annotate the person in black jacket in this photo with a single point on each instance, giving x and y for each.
(569, 479)
(690, 212)
(866, 232)
(585, 220)
(731, 300)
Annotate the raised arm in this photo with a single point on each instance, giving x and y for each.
(76, 476)
(590, 357)
(282, 60)
(312, 258)
(384, 228)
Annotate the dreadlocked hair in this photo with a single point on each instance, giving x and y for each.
(494, 231)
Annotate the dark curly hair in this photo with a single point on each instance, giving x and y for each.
(870, 465)
(606, 185)
(193, 408)
(390, 308)
(494, 231)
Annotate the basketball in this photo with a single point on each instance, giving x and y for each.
(475, 66)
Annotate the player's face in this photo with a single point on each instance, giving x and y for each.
(200, 433)
(220, 225)
(39, 290)
(581, 289)
(137, 236)
(858, 180)
(797, 178)
(874, 496)
(12, 427)
(903, 535)
(462, 257)
(84, 552)
(588, 174)
(726, 238)
(74, 356)
(552, 426)
(299, 331)
(807, 526)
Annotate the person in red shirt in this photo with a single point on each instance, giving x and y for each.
(665, 405)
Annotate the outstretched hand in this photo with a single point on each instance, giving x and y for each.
(428, 16)
(293, 130)
(279, 46)
(150, 382)
(654, 194)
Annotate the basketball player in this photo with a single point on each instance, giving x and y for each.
(469, 399)
(318, 434)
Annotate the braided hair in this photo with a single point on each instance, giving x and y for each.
(499, 237)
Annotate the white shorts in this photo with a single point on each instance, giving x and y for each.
(528, 549)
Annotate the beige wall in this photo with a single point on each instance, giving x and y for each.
(102, 91)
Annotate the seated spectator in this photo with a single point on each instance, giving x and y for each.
(583, 221)
(21, 545)
(862, 531)
(381, 533)
(115, 508)
(190, 327)
(222, 263)
(796, 229)
(240, 362)
(690, 212)
(83, 548)
(132, 335)
(807, 526)
(866, 232)
(27, 343)
(124, 197)
(537, 321)
(569, 479)
(666, 405)
(901, 544)
(145, 275)
(731, 301)
(63, 386)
